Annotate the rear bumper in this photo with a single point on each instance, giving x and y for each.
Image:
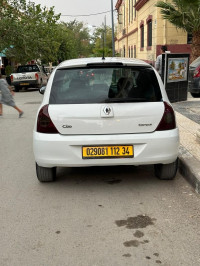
(25, 83)
(194, 90)
(51, 150)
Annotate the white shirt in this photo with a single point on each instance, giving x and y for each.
(158, 64)
(1, 62)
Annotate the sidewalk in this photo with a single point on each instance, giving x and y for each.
(188, 120)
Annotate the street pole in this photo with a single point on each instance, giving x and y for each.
(113, 37)
(105, 31)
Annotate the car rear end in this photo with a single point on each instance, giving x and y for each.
(102, 113)
(194, 78)
(26, 76)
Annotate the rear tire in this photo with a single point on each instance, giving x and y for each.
(45, 174)
(166, 171)
(195, 95)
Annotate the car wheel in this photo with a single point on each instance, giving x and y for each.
(45, 174)
(166, 171)
(17, 88)
(195, 95)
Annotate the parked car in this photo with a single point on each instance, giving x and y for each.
(29, 76)
(194, 78)
(105, 112)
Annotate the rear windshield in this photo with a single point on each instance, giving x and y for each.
(102, 85)
(29, 68)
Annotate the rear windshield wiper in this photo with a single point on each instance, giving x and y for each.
(124, 100)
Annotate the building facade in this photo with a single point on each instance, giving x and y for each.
(141, 31)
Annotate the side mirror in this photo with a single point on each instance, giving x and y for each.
(42, 90)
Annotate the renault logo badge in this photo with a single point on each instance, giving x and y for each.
(107, 110)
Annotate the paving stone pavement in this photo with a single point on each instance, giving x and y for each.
(188, 120)
(190, 109)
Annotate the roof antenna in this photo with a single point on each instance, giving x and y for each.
(103, 57)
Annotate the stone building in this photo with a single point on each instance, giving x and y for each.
(141, 31)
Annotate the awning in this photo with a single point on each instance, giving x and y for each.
(2, 55)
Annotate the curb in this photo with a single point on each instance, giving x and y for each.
(189, 168)
(198, 135)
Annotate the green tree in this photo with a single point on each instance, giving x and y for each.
(81, 37)
(28, 31)
(102, 41)
(67, 43)
(184, 15)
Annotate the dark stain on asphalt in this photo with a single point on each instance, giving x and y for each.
(158, 261)
(121, 222)
(57, 232)
(156, 254)
(132, 243)
(138, 234)
(100, 205)
(140, 221)
(145, 242)
(148, 258)
(113, 181)
(127, 255)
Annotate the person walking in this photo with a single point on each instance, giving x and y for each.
(158, 64)
(6, 97)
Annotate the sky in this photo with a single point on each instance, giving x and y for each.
(82, 7)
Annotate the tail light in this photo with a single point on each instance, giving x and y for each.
(168, 120)
(44, 123)
(11, 78)
(197, 72)
(36, 76)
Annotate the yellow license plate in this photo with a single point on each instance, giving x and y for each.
(24, 84)
(100, 152)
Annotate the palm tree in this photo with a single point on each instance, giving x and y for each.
(184, 14)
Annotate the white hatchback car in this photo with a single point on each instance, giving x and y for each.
(105, 112)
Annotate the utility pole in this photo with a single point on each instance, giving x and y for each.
(113, 37)
(105, 31)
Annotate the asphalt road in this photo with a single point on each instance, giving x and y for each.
(113, 216)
